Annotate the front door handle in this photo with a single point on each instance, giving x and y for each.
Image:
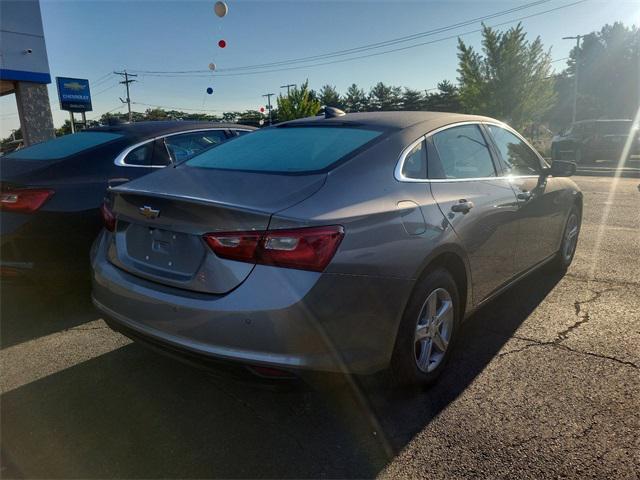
(462, 206)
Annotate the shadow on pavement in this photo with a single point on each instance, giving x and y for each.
(28, 311)
(131, 413)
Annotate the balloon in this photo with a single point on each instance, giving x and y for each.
(209, 90)
(221, 9)
(212, 66)
(222, 44)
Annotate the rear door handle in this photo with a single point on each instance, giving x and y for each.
(462, 206)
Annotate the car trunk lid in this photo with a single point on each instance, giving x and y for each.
(161, 219)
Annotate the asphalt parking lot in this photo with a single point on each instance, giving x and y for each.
(544, 383)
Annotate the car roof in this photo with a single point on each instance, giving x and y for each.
(389, 120)
(149, 129)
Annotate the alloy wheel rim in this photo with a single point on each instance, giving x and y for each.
(570, 237)
(433, 330)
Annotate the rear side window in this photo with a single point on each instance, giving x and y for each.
(140, 156)
(518, 158)
(463, 153)
(64, 146)
(415, 163)
(285, 149)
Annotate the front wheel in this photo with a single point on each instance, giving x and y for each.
(427, 330)
(569, 242)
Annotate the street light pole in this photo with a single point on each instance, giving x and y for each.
(269, 95)
(575, 79)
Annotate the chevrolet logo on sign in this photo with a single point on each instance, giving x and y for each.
(149, 212)
(74, 86)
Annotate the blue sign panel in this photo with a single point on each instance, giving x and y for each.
(74, 94)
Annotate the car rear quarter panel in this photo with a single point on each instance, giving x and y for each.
(381, 215)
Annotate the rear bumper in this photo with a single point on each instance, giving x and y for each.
(285, 318)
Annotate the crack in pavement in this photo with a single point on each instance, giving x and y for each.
(584, 278)
(555, 344)
(582, 318)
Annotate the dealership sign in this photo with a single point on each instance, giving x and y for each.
(74, 94)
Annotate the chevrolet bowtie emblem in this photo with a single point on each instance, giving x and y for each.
(149, 212)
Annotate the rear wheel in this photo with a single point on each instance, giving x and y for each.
(427, 331)
(569, 242)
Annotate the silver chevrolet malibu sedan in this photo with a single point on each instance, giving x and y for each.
(346, 243)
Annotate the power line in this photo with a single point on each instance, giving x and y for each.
(105, 113)
(407, 47)
(101, 80)
(370, 46)
(106, 89)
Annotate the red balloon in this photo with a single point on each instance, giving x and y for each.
(222, 44)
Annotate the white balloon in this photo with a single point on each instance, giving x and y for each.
(212, 66)
(221, 9)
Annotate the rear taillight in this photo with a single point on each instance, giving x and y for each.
(108, 217)
(26, 200)
(304, 248)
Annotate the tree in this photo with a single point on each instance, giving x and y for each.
(413, 100)
(329, 97)
(608, 77)
(447, 99)
(385, 97)
(511, 81)
(299, 103)
(355, 100)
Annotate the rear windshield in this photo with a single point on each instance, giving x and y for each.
(63, 146)
(285, 150)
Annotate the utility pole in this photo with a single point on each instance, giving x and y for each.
(269, 95)
(126, 82)
(288, 86)
(575, 79)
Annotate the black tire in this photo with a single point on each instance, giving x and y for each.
(404, 369)
(564, 256)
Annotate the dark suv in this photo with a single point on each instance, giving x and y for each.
(590, 140)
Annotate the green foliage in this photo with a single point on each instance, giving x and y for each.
(385, 97)
(446, 99)
(412, 100)
(355, 100)
(330, 97)
(608, 77)
(300, 103)
(510, 81)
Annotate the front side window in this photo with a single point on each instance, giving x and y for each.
(186, 145)
(463, 153)
(517, 156)
(415, 163)
(285, 149)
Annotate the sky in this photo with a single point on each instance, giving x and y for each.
(90, 39)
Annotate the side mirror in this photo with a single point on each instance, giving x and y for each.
(560, 168)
